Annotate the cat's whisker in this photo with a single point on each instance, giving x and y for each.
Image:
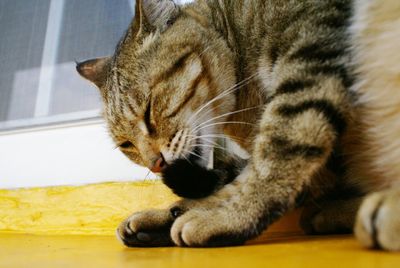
(184, 156)
(216, 135)
(238, 86)
(226, 123)
(235, 138)
(206, 113)
(204, 140)
(206, 49)
(194, 120)
(223, 94)
(147, 176)
(197, 155)
(210, 142)
(210, 146)
(225, 114)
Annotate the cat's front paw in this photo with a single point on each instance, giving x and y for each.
(147, 229)
(206, 228)
(378, 221)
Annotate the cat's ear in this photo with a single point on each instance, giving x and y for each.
(154, 14)
(94, 70)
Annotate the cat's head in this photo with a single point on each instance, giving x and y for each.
(166, 88)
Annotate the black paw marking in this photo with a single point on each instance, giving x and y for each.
(190, 180)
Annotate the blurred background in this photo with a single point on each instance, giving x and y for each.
(40, 41)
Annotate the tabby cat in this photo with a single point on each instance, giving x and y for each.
(275, 77)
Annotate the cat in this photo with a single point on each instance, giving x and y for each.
(275, 77)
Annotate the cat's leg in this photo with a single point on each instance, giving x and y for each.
(295, 140)
(301, 124)
(147, 229)
(152, 227)
(287, 152)
(378, 220)
(330, 217)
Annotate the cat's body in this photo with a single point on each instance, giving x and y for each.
(272, 75)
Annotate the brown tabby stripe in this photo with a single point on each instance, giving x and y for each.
(189, 95)
(334, 117)
(130, 107)
(287, 150)
(273, 54)
(178, 65)
(343, 6)
(147, 120)
(333, 21)
(333, 70)
(317, 52)
(294, 85)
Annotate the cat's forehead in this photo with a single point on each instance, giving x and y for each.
(143, 69)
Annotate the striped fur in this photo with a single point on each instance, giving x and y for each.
(271, 75)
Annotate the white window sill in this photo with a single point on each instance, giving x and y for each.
(67, 155)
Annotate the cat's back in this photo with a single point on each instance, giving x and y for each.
(258, 26)
(376, 32)
(277, 12)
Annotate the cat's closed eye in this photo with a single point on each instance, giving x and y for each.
(126, 145)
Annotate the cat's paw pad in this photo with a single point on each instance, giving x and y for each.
(203, 228)
(378, 221)
(146, 229)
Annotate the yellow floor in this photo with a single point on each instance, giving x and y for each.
(91, 210)
(17, 250)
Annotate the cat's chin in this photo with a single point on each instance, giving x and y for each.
(189, 179)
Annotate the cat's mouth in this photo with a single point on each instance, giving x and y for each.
(187, 147)
(204, 169)
(202, 154)
(190, 176)
(196, 155)
(193, 177)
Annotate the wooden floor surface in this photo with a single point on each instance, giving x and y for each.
(18, 250)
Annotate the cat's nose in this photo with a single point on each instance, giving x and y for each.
(158, 165)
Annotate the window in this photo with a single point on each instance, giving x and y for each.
(41, 39)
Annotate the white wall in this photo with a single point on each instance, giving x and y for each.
(67, 155)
